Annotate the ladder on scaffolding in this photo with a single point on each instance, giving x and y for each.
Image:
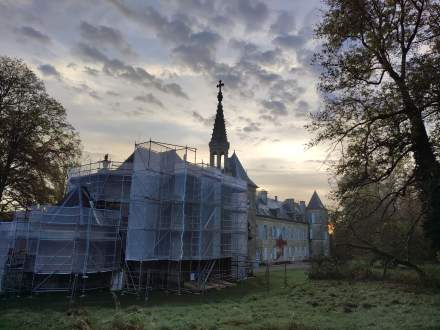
(205, 274)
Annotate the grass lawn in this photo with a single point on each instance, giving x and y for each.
(304, 304)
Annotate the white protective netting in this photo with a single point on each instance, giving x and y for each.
(65, 240)
(181, 211)
(5, 243)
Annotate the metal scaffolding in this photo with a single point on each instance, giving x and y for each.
(75, 245)
(187, 223)
(157, 220)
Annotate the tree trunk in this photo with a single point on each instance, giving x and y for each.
(387, 256)
(428, 177)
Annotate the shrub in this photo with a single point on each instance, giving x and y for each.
(334, 269)
(325, 268)
(432, 276)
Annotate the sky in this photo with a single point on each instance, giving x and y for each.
(127, 71)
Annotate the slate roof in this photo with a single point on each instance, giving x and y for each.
(237, 170)
(315, 202)
(286, 210)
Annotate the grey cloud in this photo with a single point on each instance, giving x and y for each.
(138, 112)
(205, 121)
(290, 41)
(91, 71)
(252, 127)
(275, 107)
(49, 71)
(118, 69)
(207, 38)
(95, 95)
(284, 24)
(303, 108)
(174, 30)
(267, 57)
(287, 90)
(195, 46)
(244, 46)
(86, 89)
(104, 36)
(33, 34)
(89, 53)
(198, 52)
(253, 14)
(149, 98)
(140, 76)
(250, 52)
(257, 72)
(196, 57)
(112, 93)
(269, 118)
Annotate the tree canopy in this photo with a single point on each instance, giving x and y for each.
(381, 88)
(37, 144)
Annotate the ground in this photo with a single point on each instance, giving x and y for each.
(303, 304)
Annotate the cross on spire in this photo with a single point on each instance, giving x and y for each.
(220, 85)
(220, 95)
(219, 145)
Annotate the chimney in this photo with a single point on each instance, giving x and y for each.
(302, 206)
(263, 196)
(276, 198)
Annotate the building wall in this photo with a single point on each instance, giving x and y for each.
(295, 234)
(252, 225)
(319, 239)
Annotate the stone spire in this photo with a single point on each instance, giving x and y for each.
(219, 145)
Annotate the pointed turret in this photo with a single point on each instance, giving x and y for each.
(237, 170)
(315, 202)
(219, 145)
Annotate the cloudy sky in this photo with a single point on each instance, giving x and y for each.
(127, 71)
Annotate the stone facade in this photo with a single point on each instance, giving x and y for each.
(294, 234)
(288, 231)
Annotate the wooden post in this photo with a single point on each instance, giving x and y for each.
(285, 275)
(268, 275)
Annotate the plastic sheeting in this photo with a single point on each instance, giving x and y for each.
(5, 242)
(64, 240)
(181, 211)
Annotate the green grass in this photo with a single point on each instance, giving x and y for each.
(304, 304)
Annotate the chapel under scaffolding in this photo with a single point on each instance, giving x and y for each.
(157, 220)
